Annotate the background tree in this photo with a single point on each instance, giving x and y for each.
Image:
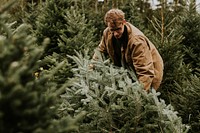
(68, 29)
(167, 39)
(191, 32)
(171, 35)
(27, 103)
(187, 104)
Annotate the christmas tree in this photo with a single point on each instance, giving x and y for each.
(115, 101)
(187, 103)
(173, 39)
(68, 30)
(28, 102)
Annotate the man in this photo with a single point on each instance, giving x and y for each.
(127, 46)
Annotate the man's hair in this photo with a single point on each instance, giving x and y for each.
(113, 16)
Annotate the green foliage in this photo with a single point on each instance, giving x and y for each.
(172, 39)
(27, 103)
(175, 69)
(78, 33)
(49, 23)
(66, 26)
(187, 102)
(115, 102)
(48, 63)
(190, 24)
(168, 39)
(68, 30)
(31, 13)
(22, 107)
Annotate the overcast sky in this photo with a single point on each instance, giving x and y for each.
(155, 2)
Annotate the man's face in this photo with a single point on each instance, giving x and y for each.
(116, 29)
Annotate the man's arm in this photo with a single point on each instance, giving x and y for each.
(143, 62)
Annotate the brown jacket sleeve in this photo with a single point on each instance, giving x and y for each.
(143, 62)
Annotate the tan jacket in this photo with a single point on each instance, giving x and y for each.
(140, 54)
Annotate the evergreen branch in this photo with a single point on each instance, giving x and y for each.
(169, 24)
(8, 5)
(7, 30)
(155, 26)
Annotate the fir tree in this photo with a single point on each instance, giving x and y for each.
(178, 82)
(50, 22)
(28, 103)
(77, 34)
(115, 101)
(69, 30)
(167, 38)
(186, 101)
(66, 26)
(189, 27)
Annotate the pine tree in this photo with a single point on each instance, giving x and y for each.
(50, 22)
(77, 34)
(66, 26)
(186, 101)
(28, 103)
(185, 98)
(31, 12)
(69, 30)
(167, 38)
(115, 101)
(190, 30)
(179, 85)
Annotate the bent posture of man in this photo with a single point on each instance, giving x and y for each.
(127, 46)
